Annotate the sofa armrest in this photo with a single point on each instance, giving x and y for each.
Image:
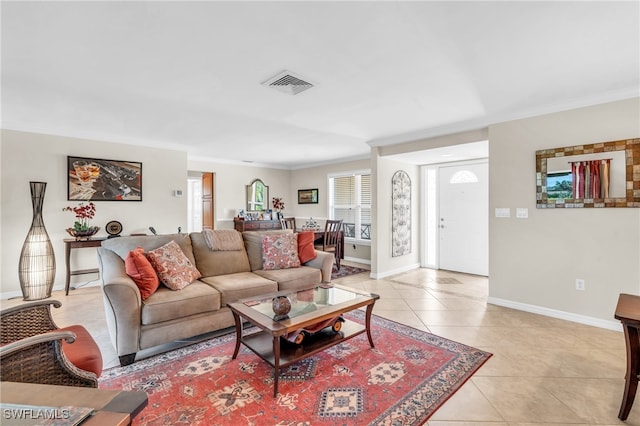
(122, 302)
(324, 262)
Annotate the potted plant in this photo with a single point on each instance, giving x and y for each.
(81, 228)
(278, 206)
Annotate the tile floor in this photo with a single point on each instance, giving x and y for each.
(544, 371)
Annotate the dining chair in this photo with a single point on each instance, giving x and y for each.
(331, 241)
(288, 223)
(33, 349)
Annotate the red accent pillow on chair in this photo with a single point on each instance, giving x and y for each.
(138, 267)
(306, 250)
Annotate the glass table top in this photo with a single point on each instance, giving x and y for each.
(306, 301)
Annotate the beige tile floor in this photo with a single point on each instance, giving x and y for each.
(544, 371)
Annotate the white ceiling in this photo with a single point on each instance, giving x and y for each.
(187, 75)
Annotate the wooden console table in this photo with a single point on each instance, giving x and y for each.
(628, 312)
(72, 243)
(256, 225)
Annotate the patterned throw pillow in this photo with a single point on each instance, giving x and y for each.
(141, 272)
(280, 251)
(172, 266)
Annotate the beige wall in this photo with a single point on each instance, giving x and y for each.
(35, 157)
(534, 262)
(383, 263)
(230, 187)
(317, 177)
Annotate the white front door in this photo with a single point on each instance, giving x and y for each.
(464, 218)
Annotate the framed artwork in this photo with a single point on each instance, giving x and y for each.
(94, 179)
(308, 196)
(401, 214)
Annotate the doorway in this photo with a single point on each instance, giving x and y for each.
(457, 217)
(200, 195)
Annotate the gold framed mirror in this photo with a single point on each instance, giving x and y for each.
(605, 174)
(257, 196)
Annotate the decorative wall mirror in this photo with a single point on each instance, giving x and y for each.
(257, 196)
(605, 174)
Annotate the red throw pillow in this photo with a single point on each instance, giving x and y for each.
(141, 272)
(306, 251)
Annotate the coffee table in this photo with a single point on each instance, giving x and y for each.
(308, 307)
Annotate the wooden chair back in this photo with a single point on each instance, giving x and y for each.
(332, 230)
(288, 223)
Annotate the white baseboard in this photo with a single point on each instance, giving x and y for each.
(385, 274)
(568, 316)
(357, 260)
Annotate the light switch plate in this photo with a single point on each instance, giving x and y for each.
(522, 212)
(503, 212)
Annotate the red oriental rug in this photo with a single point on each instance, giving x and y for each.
(402, 381)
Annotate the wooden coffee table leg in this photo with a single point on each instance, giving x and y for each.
(236, 318)
(368, 324)
(276, 364)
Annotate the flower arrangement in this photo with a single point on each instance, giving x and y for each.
(278, 204)
(84, 213)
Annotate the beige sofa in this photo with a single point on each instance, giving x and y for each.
(201, 307)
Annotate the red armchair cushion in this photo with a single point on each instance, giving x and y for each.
(84, 353)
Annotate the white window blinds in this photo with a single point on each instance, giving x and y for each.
(351, 201)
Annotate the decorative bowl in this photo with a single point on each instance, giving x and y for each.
(84, 234)
(281, 307)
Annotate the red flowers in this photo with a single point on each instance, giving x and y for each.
(83, 213)
(278, 204)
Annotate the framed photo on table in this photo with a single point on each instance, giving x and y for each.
(308, 196)
(94, 179)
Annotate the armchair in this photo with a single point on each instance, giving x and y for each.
(35, 350)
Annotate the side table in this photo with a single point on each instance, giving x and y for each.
(628, 312)
(72, 243)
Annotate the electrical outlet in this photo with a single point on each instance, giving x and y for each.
(579, 284)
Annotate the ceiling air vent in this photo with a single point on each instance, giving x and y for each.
(289, 83)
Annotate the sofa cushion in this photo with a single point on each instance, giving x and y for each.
(141, 272)
(300, 278)
(223, 239)
(167, 305)
(280, 251)
(306, 250)
(234, 287)
(173, 267)
(253, 245)
(123, 245)
(213, 263)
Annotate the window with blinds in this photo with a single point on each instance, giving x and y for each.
(350, 200)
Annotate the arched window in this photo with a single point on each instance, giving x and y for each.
(464, 176)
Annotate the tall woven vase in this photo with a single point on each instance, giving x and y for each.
(37, 266)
